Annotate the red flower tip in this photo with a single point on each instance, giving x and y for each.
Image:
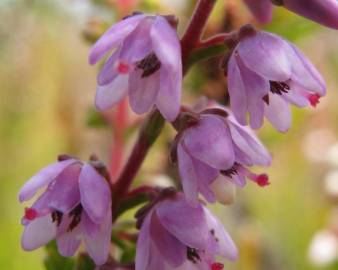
(217, 266)
(314, 99)
(30, 214)
(262, 180)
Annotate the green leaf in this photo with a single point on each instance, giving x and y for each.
(131, 202)
(54, 261)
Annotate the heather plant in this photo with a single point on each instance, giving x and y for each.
(214, 148)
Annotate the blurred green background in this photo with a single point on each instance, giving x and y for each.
(47, 88)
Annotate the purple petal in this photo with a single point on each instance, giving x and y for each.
(297, 95)
(43, 178)
(169, 94)
(143, 91)
(225, 245)
(266, 54)
(98, 244)
(38, 233)
(321, 11)
(113, 37)
(109, 71)
(138, 44)
(184, 221)
(261, 9)
(304, 73)
(143, 245)
(109, 95)
(210, 142)
(278, 112)
(64, 193)
(167, 48)
(188, 175)
(69, 241)
(249, 144)
(95, 194)
(237, 91)
(170, 248)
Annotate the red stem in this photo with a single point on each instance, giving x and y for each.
(214, 40)
(196, 27)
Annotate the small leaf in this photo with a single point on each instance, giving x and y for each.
(84, 262)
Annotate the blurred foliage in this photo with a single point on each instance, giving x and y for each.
(47, 90)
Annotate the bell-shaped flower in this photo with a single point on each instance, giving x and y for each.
(176, 236)
(75, 206)
(144, 63)
(216, 145)
(265, 74)
(320, 11)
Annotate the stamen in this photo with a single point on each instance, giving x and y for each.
(217, 266)
(57, 217)
(123, 67)
(279, 87)
(314, 99)
(76, 215)
(150, 64)
(230, 172)
(30, 214)
(261, 179)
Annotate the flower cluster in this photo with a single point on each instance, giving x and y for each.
(214, 148)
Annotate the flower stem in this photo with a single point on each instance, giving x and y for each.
(196, 27)
(147, 136)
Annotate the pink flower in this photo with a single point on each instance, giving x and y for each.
(265, 74)
(75, 206)
(324, 12)
(217, 145)
(145, 64)
(175, 235)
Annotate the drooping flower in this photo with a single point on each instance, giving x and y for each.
(321, 11)
(75, 206)
(265, 74)
(174, 235)
(145, 64)
(215, 149)
(261, 9)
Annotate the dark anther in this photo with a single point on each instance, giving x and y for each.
(279, 87)
(150, 64)
(266, 99)
(192, 255)
(230, 172)
(216, 111)
(57, 217)
(75, 214)
(64, 157)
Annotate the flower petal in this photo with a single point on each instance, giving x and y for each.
(38, 233)
(266, 54)
(95, 194)
(98, 244)
(68, 241)
(143, 91)
(43, 178)
(226, 247)
(278, 112)
(210, 142)
(304, 73)
(109, 95)
(184, 221)
(249, 144)
(237, 91)
(188, 175)
(143, 245)
(323, 11)
(113, 37)
(169, 246)
(109, 71)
